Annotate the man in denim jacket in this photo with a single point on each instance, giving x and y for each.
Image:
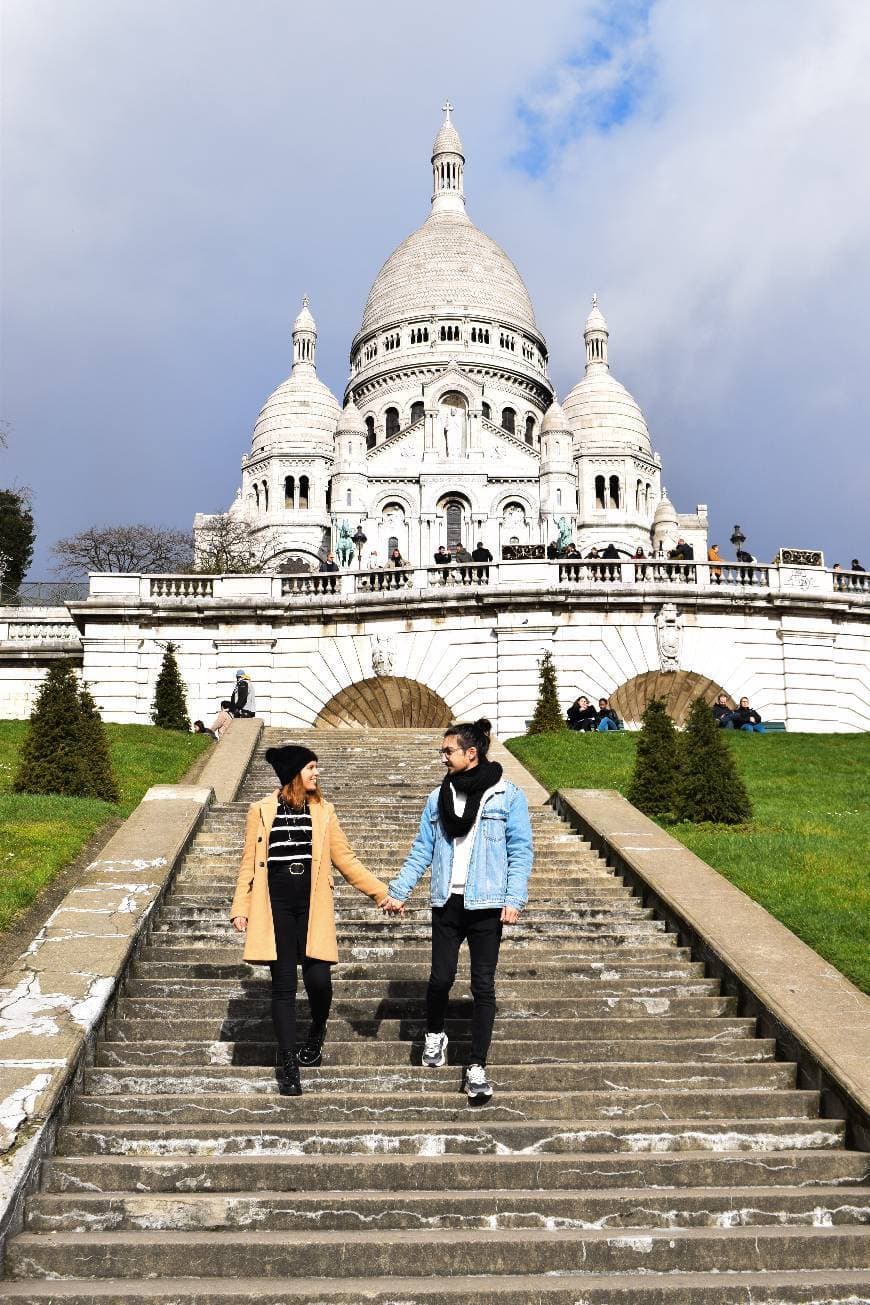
(476, 836)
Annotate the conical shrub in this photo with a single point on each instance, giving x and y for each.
(709, 786)
(548, 713)
(169, 709)
(51, 758)
(653, 785)
(96, 761)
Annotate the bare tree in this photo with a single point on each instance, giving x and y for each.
(137, 548)
(229, 545)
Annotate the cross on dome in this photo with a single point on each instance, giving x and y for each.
(447, 109)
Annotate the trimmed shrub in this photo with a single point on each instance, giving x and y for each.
(94, 756)
(548, 714)
(709, 788)
(65, 749)
(654, 781)
(50, 760)
(169, 709)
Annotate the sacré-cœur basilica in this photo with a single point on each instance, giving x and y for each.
(450, 431)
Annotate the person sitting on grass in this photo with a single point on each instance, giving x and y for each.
(723, 713)
(747, 718)
(605, 718)
(582, 715)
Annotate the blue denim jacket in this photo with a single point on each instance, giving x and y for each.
(501, 855)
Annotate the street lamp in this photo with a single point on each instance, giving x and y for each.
(738, 539)
(359, 539)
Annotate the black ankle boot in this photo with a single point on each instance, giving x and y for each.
(311, 1051)
(289, 1083)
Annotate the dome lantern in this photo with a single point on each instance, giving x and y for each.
(448, 162)
(595, 333)
(304, 337)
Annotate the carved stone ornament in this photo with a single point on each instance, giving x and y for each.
(382, 655)
(669, 636)
(523, 552)
(800, 578)
(799, 557)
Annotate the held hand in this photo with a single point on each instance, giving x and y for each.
(392, 906)
(509, 915)
(240, 922)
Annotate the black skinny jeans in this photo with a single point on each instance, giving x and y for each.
(451, 925)
(291, 931)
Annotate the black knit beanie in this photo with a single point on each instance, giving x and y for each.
(287, 761)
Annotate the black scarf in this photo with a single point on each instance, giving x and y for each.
(473, 783)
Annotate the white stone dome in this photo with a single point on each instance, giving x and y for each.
(666, 513)
(448, 266)
(301, 413)
(351, 420)
(555, 419)
(601, 411)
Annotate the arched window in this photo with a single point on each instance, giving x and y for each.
(639, 495)
(558, 498)
(329, 496)
(289, 491)
(348, 498)
(391, 421)
(600, 491)
(392, 544)
(265, 497)
(530, 430)
(416, 411)
(370, 437)
(443, 332)
(486, 410)
(303, 491)
(614, 491)
(454, 526)
(509, 420)
(649, 497)
(256, 496)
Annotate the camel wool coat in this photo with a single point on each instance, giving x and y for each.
(329, 847)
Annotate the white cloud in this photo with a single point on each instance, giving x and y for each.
(177, 174)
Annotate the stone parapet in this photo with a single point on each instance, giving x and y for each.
(819, 1019)
(54, 999)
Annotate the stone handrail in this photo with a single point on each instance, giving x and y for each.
(592, 575)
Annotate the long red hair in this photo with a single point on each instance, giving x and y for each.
(295, 794)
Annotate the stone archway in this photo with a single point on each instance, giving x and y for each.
(385, 702)
(678, 688)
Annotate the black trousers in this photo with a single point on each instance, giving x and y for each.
(291, 931)
(452, 924)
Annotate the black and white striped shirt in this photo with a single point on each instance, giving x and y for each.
(290, 842)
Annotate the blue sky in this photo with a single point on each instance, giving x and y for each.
(177, 173)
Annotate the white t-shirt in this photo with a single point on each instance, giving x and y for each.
(462, 846)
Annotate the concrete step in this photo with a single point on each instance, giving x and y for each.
(254, 1253)
(392, 1029)
(421, 1100)
(809, 1287)
(843, 1172)
(259, 991)
(472, 1135)
(510, 967)
(367, 1051)
(512, 1077)
(519, 1208)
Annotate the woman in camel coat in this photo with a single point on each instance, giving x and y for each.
(284, 900)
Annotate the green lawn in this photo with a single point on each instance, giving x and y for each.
(806, 854)
(39, 835)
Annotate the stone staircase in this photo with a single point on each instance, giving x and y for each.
(643, 1145)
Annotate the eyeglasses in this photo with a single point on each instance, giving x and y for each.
(448, 752)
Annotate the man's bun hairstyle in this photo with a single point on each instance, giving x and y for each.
(473, 734)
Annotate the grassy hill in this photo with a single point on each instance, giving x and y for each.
(39, 835)
(806, 854)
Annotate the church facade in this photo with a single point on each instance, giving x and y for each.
(450, 432)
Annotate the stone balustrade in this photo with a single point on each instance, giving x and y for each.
(582, 574)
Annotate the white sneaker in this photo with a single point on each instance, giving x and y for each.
(435, 1050)
(478, 1088)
